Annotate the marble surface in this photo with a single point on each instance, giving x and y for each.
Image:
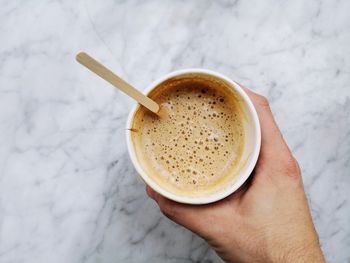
(68, 191)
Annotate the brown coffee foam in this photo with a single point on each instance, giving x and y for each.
(195, 146)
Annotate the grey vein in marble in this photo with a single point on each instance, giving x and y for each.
(68, 191)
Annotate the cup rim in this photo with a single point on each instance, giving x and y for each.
(219, 194)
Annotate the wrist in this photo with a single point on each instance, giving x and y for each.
(311, 253)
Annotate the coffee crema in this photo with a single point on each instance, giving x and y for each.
(195, 144)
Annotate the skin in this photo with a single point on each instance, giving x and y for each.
(268, 218)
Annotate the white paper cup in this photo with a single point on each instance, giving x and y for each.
(249, 156)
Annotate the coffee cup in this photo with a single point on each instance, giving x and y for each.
(183, 174)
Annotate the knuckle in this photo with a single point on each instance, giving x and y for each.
(297, 165)
(291, 166)
(263, 101)
(168, 210)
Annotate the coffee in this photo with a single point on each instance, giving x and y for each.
(195, 145)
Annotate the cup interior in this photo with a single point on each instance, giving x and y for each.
(249, 154)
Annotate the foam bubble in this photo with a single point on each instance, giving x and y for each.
(194, 139)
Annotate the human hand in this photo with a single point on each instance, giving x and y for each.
(268, 218)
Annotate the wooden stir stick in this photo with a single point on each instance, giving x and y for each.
(116, 81)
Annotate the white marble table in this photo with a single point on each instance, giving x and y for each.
(68, 191)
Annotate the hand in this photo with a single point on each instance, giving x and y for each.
(268, 218)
